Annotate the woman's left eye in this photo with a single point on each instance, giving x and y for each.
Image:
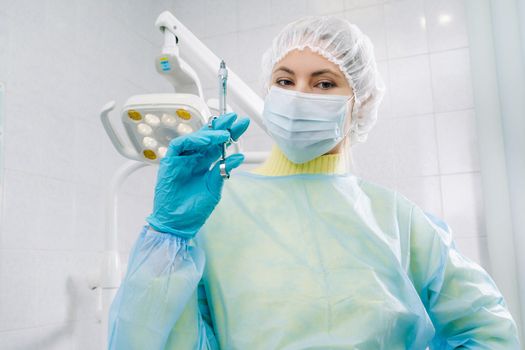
(326, 85)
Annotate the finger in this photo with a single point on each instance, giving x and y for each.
(232, 162)
(212, 153)
(196, 142)
(215, 119)
(224, 121)
(239, 128)
(221, 122)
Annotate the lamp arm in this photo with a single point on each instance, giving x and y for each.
(193, 50)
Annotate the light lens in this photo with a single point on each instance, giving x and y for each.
(149, 142)
(184, 129)
(144, 129)
(169, 120)
(152, 119)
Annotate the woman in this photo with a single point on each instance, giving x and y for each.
(300, 253)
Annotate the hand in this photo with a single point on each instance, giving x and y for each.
(187, 191)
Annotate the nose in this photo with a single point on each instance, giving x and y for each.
(302, 86)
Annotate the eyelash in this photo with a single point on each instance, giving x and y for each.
(278, 81)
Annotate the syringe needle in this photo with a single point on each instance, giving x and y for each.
(223, 79)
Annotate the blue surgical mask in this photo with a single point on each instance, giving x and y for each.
(304, 125)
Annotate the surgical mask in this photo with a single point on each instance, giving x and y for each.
(304, 125)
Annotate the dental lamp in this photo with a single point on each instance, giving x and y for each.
(152, 120)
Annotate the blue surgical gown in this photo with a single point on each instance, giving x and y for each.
(308, 261)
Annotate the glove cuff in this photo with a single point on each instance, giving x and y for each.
(165, 229)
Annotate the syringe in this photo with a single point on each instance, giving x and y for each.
(223, 79)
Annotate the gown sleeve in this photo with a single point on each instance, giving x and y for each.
(465, 306)
(156, 306)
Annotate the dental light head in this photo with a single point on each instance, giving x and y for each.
(151, 121)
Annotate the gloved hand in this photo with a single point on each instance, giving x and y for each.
(187, 191)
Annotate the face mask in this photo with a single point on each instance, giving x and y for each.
(304, 125)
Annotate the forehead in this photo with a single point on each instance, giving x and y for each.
(305, 61)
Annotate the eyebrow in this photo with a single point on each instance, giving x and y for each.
(316, 73)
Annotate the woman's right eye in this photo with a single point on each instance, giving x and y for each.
(283, 82)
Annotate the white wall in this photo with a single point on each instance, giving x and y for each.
(61, 61)
(58, 159)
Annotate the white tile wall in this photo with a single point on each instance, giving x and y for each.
(371, 20)
(451, 82)
(376, 156)
(415, 148)
(406, 28)
(253, 14)
(462, 204)
(457, 141)
(59, 71)
(446, 24)
(283, 12)
(410, 86)
(58, 159)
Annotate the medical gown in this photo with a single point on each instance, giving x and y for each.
(308, 261)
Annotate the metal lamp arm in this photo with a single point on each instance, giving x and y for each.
(193, 50)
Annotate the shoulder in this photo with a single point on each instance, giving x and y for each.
(375, 189)
(381, 194)
(406, 208)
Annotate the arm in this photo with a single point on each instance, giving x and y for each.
(155, 307)
(194, 329)
(465, 305)
(157, 294)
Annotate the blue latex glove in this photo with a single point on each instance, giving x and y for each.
(187, 190)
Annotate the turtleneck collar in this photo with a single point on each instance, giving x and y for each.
(278, 165)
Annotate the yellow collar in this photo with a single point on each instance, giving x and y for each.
(278, 165)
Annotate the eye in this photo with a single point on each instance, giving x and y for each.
(284, 82)
(325, 85)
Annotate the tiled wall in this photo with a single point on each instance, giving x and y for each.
(62, 60)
